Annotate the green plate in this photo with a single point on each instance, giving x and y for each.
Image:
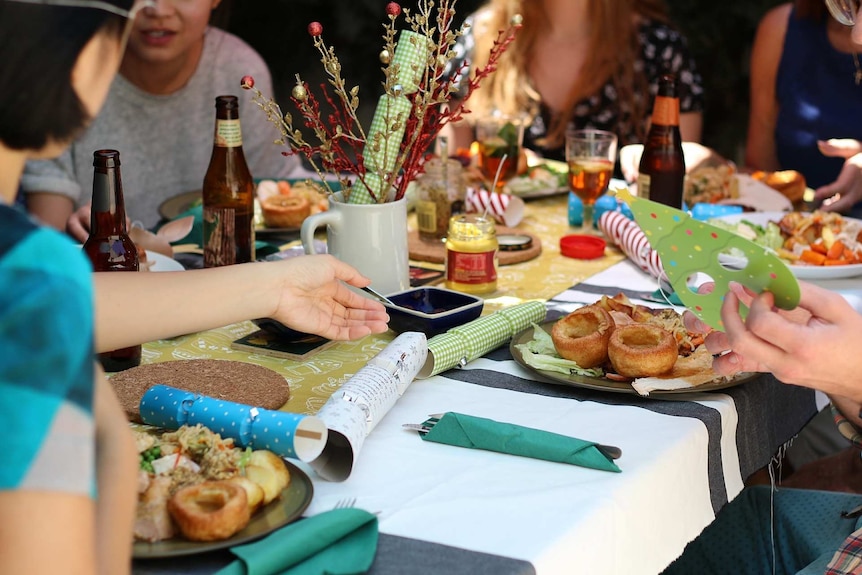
(604, 384)
(288, 508)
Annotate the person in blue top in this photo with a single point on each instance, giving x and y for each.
(67, 482)
(806, 79)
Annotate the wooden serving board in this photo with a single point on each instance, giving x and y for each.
(435, 252)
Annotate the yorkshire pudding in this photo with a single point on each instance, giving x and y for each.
(582, 336)
(285, 211)
(642, 350)
(210, 511)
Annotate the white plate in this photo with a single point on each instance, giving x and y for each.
(801, 272)
(162, 263)
(758, 196)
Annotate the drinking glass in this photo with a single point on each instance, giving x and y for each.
(591, 155)
(500, 137)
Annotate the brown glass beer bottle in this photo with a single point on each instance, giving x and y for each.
(109, 247)
(228, 193)
(662, 168)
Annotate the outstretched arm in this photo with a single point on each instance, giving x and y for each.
(307, 293)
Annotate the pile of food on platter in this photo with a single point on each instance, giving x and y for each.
(621, 341)
(817, 238)
(286, 205)
(789, 182)
(710, 185)
(195, 484)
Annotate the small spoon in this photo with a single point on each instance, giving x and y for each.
(379, 296)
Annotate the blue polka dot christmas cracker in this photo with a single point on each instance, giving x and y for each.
(287, 434)
(689, 250)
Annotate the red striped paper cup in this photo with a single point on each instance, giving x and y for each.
(628, 236)
(506, 208)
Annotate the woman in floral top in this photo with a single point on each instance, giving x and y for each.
(579, 63)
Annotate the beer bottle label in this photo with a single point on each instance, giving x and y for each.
(643, 185)
(228, 134)
(220, 247)
(665, 111)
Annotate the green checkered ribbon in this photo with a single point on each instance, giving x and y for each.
(463, 344)
(411, 59)
(386, 133)
(359, 193)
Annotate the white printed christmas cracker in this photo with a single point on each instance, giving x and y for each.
(287, 434)
(629, 237)
(363, 400)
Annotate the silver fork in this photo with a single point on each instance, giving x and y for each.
(345, 503)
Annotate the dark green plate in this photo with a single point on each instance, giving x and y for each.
(604, 384)
(288, 508)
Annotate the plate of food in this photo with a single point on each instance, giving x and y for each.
(817, 245)
(629, 349)
(198, 493)
(723, 185)
(542, 179)
(280, 206)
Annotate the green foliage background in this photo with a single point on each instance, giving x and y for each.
(719, 34)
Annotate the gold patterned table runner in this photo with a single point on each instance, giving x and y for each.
(312, 381)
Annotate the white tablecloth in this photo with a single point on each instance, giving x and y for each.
(561, 518)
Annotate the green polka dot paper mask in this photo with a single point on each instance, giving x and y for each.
(689, 250)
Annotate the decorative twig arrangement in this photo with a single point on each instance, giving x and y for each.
(376, 166)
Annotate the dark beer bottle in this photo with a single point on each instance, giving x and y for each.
(662, 168)
(228, 193)
(109, 247)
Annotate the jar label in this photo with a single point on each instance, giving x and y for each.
(228, 134)
(426, 216)
(665, 111)
(471, 268)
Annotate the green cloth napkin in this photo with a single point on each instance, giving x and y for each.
(480, 433)
(337, 542)
(464, 343)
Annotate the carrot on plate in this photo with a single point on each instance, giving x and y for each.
(835, 251)
(812, 257)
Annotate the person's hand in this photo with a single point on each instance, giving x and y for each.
(314, 300)
(842, 194)
(78, 224)
(815, 345)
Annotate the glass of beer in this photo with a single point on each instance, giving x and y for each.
(500, 138)
(591, 155)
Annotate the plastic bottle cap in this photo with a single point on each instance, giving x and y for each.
(582, 247)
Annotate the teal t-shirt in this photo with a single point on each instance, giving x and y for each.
(46, 359)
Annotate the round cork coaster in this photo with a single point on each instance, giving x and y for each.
(435, 252)
(235, 381)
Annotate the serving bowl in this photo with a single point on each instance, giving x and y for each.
(431, 310)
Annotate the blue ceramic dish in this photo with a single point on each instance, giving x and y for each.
(431, 310)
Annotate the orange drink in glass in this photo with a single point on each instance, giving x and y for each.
(591, 155)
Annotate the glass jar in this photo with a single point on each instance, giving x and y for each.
(471, 254)
(441, 193)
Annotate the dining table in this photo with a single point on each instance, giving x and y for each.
(445, 509)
